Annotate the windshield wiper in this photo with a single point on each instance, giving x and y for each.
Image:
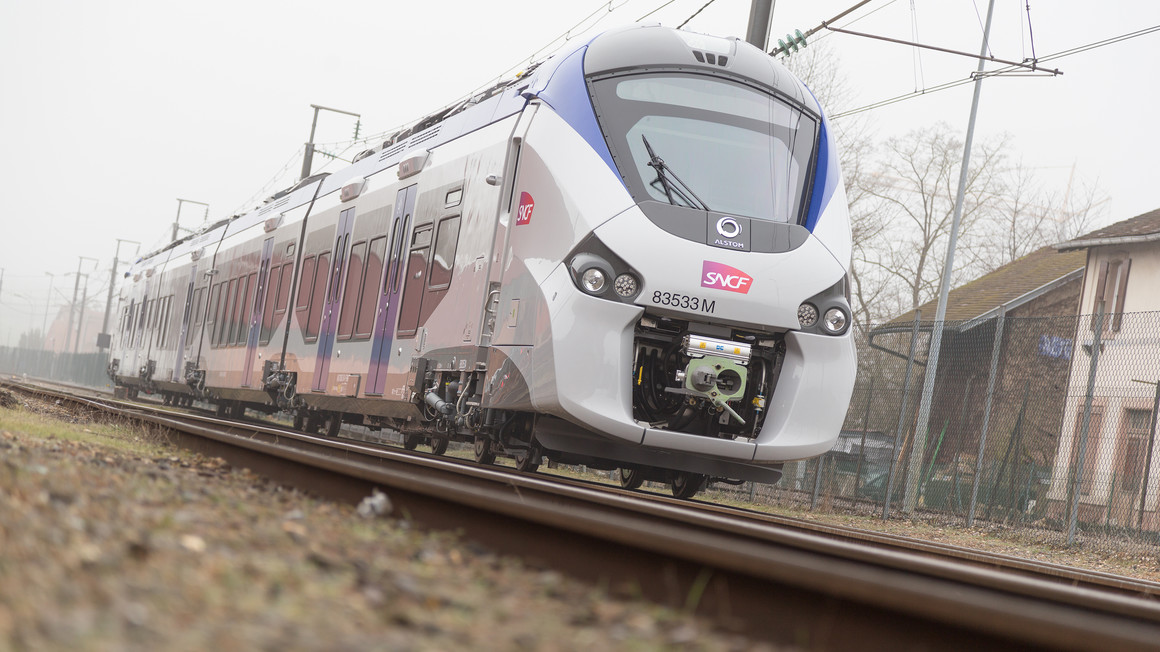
(672, 185)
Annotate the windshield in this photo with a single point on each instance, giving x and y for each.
(733, 148)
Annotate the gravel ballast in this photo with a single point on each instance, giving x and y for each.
(113, 540)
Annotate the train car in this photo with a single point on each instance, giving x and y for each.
(634, 256)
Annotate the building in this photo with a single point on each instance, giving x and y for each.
(1038, 297)
(1119, 483)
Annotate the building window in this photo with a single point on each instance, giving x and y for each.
(1111, 291)
(1133, 448)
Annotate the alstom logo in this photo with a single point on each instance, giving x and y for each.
(724, 277)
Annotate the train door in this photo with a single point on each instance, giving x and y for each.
(255, 315)
(501, 250)
(332, 300)
(388, 305)
(186, 319)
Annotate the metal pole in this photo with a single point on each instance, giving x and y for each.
(81, 317)
(901, 415)
(308, 157)
(996, 347)
(760, 16)
(113, 281)
(72, 308)
(1083, 430)
(865, 426)
(177, 219)
(919, 450)
(44, 326)
(1148, 462)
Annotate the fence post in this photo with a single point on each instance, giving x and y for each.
(1083, 431)
(817, 481)
(1000, 322)
(901, 415)
(862, 450)
(958, 503)
(1148, 463)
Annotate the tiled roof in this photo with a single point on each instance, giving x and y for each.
(1013, 284)
(1141, 228)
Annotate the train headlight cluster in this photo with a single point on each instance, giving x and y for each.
(598, 272)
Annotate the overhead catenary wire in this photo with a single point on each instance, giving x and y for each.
(1006, 70)
(602, 11)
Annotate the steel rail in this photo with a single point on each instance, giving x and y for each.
(789, 585)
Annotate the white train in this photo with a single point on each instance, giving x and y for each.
(634, 256)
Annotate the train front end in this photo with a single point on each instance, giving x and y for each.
(699, 319)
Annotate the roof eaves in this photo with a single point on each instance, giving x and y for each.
(1026, 297)
(1109, 241)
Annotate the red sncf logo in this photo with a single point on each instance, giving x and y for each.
(524, 213)
(724, 277)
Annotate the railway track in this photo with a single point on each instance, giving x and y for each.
(772, 577)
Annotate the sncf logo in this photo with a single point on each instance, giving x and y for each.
(724, 277)
(524, 213)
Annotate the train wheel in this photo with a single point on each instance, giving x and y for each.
(526, 459)
(631, 478)
(411, 442)
(313, 421)
(439, 445)
(333, 423)
(483, 451)
(686, 485)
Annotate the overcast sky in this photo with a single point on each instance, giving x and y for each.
(113, 110)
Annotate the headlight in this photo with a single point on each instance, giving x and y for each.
(807, 315)
(835, 321)
(593, 280)
(626, 285)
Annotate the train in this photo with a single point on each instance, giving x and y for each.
(633, 256)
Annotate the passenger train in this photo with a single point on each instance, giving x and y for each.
(633, 256)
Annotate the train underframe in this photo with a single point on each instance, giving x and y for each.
(709, 381)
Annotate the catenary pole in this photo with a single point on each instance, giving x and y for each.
(760, 15)
(918, 452)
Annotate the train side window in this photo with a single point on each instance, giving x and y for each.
(274, 287)
(127, 333)
(197, 315)
(227, 323)
(305, 286)
(370, 292)
(215, 297)
(413, 284)
(238, 319)
(355, 273)
(443, 260)
(163, 320)
(284, 288)
(317, 297)
(246, 308)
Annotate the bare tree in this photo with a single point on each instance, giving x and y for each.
(822, 72)
(914, 188)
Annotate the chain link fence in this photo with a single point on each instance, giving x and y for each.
(86, 369)
(1045, 424)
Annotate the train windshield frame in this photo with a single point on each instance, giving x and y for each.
(720, 144)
